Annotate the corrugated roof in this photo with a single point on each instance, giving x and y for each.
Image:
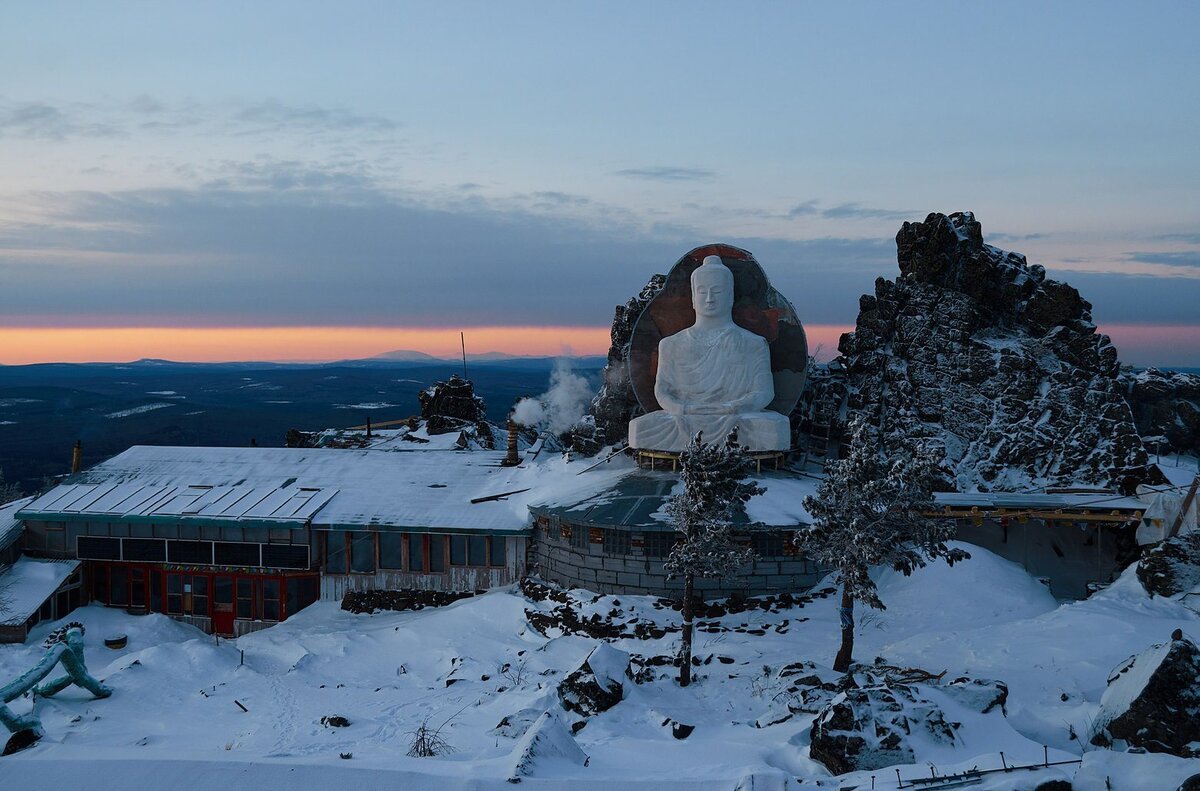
(292, 487)
(10, 526)
(29, 582)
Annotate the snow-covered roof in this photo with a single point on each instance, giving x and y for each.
(27, 583)
(290, 487)
(638, 499)
(1097, 501)
(10, 525)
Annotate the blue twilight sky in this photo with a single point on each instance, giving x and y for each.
(490, 164)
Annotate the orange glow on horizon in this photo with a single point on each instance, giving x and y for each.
(25, 345)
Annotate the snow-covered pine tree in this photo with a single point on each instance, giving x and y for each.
(871, 511)
(714, 487)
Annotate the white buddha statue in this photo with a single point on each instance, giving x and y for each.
(712, 377)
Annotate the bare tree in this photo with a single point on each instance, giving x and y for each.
(714, 489)
(872, 511)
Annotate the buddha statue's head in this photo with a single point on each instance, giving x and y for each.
(712, 289)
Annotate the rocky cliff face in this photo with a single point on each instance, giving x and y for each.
(976, 348)
(607, 422)
(1166, 404)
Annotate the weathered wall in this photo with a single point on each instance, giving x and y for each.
(557, 560)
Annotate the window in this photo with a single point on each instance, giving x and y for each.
(199, 596)
(437, 554)
(270, 600)
(100, 584)
(230, 553)
(390, 552)
(767, 544)
(362, 553)
(658, 544)
(156, 581)
(335, 553)
(416, 552)
(579, 537)
(477, 551)
(245, 598)
(175, 594)
(616, 542)
(496, 551)
(301, 592)
(458, 550)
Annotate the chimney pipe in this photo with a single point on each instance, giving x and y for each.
(511, 459)
(368, 426)
(77, 457)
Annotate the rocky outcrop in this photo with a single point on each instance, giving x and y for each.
(880, 723)
(615, 404)
(1166, 404)
(453, 406)
(1172, 566)
(1153, 701)
(974, 347)
(872, 728)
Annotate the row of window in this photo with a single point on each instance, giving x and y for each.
(253, 597)
(427, 553)
(58, 535)
(658, 544)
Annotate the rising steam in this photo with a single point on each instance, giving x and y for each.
(560, 407)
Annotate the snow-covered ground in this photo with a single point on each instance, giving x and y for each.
(173, 720)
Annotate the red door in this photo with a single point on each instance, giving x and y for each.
(222, 606)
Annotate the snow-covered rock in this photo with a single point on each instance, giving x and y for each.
(1166, 404)
(1153, 701)
(1171, 567)
(872, 728)
(975, 347)
(547, 740)
(598, 684)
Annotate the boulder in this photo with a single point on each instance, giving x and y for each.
(1153, 701)
(1172, 566)
(978, 694)
(598, 684)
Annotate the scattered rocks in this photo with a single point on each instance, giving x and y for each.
(407, 599)
(20, 741)
(1172, 566)
(1153, 701)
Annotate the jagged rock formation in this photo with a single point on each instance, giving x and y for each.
(976, 348)
(1166, 404)
(453, 406)
(1153, 700)
(607, 422)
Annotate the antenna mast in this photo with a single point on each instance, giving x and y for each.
(463, 340)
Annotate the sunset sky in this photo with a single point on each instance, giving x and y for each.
(303, 181)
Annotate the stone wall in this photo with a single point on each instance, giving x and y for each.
(558, 559)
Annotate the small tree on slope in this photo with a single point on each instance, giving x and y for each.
(714, 488)
(872, 512)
